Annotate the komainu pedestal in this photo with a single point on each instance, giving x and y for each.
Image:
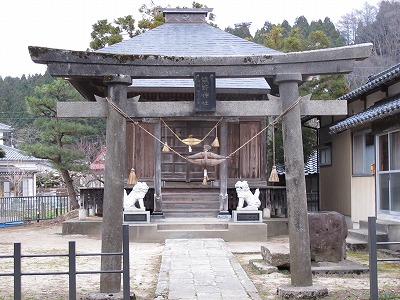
(248, 204)
(134, 209)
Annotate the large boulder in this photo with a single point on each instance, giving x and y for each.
(328, 232)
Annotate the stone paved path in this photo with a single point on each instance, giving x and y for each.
(198, 269)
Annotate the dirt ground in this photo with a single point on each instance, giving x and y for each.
(145, 258)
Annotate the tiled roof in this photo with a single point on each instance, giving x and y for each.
(310, 167)
(191, 39)
(13, 154)
(99, 161)
(374, 82)
(5, 128)
(377, 111)
(187, 39)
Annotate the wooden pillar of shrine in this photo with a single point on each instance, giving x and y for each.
(223, 172)
(157, 212)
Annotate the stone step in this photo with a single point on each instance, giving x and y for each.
(354, 244)
(192, 226)
(357, 239)
(190, 203)
(381, 225)
(184, 213)
(362, 234)
(172, 197)
(185, 204)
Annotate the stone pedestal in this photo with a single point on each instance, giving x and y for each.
(224, 215)
(302, 292)
(328, 232)
(138, 216)
(249, 216)
(82, 214)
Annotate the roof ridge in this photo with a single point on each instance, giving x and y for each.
(374, 82)
(374, 112)
(375, 76)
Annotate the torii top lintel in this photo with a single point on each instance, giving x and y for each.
(78, 64)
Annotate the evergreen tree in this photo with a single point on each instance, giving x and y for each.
(13, 92)
(106, 34)
(261, 33)
(241, 30)
(286, 28)
(57, 136)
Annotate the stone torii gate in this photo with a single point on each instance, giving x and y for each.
(108, 75)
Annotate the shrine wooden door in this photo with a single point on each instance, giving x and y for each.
(174, 167)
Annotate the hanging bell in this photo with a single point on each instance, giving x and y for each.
(215, 143)
(165, 147)
(274, 177)
(132, 177)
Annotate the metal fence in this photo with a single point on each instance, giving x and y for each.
(373, 258)
(24, 209)
(72, 270)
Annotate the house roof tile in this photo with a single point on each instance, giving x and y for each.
(310, 167)
(375, 112)
(374, 82)
(13, 154)
(5, 128)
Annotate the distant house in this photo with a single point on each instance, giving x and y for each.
(6, 134)
(97, 169)
(360, 154)
(17, 170)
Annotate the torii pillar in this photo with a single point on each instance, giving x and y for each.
(114, 175)
(299, 239)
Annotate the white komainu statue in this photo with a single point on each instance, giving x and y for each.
(244, 194)
(136, 195)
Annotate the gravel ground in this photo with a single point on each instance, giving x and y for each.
(46, 238)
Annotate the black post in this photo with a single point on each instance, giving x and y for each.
(72, 270)
(126, 267)
(373, 259)
(17, 271)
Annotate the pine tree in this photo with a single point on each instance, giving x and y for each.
(57, 136)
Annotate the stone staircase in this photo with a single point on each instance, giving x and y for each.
(357, 239)
(187, 204)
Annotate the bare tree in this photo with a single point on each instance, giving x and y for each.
(379, 26)
(348, 27)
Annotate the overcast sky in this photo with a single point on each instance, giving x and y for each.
(67, 24)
